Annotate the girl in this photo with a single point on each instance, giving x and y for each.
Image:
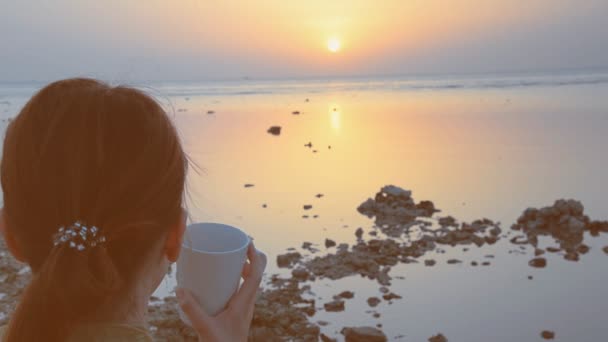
(93, 181)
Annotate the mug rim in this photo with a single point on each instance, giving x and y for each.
(247, 239)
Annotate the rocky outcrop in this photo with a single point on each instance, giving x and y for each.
(393, 205)
(564, 221)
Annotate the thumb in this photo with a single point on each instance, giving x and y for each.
(192, 309)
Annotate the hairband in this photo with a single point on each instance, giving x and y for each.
(78, 236)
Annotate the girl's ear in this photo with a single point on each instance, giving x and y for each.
(11, 243)
(173, 243)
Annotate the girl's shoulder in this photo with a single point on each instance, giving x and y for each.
(111, 332)
(104, 333)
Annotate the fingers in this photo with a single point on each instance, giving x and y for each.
(191, 308)
(245, 297)
(246, 270)
(257, 260)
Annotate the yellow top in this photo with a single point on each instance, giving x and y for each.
(105, 333)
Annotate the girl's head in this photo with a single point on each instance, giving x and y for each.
(109, 157)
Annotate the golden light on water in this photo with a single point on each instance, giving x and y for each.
(334, 114)
(333, 44)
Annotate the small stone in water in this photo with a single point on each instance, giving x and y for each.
(538, 262)
(373, 301)
(547, 335)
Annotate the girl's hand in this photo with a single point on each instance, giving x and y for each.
(233, 323)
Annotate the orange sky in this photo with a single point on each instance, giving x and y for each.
(275, 38)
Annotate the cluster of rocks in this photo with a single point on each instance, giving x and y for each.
(393, 206)
(14, 277)
(564, 221)
(283, 309)
(281, 313)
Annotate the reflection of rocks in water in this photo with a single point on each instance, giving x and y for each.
(564, 221)
(395, 206)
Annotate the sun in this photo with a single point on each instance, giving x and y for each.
(333, 44)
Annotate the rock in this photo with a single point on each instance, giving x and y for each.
(319, 195)
(454, 261)
(346, 294)
(473, 263)
(359, 232)
(485, 263)
(334, 306)
(564, 221)
(275, 130)
(373, 301)
(396, 191)
(530, 277)
(300, 273)
(538, 262)
(295, 112)
(575, 225)
(384, 289)
(309, 145)
(582, 249)
(429, 262)
(605, 249)
(248, 185)
(368, 207)
(307, 206)
(427, 208)
(438, 338)
(391, 296)
(325, 338)
(538, 252)
(329, 243)
(210, 112)
(363, 334)
(447, 221)
(547, 335)
(288, 259)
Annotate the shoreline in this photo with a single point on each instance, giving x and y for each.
(284, 311)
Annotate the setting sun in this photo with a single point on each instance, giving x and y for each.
(333, 44)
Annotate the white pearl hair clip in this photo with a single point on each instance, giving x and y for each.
(78, 236)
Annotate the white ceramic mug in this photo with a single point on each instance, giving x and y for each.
(210, 264)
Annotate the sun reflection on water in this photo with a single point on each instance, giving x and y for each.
(335, 118)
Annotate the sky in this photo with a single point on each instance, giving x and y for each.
(230, 39)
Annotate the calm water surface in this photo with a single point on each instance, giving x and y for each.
(477, 147)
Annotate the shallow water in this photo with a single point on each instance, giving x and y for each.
(477, 147)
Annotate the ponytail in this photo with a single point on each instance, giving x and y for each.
(63, 293)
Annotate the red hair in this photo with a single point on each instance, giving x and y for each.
(81, 150)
